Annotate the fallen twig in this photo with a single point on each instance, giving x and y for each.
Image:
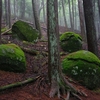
(5, 31)
(17, 84)
(33, 52)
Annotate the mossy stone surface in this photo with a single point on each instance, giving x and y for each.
(12, 58)
(70, 42)
(24, 31)
(84, 67)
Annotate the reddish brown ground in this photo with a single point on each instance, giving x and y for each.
(38, 90)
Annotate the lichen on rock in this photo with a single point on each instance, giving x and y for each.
(70, 42)
(84, 67)
(12, 58)
(24, 31)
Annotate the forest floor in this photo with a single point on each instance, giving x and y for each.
(37, 65)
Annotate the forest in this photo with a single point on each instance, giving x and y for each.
(50, 49)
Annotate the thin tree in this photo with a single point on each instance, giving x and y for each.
(63, 7)
(56, 77)
(99, 7)
(70, 13)
(36, 18)
(9, 14)
(14, 9)
(98, 3)
(22, 9)
(90, 26)
(44, 17)
(6, 11)
(73, 13)
(0, 17)
(82, 23)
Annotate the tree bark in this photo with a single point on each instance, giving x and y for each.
(53, 40)
(73, 14)
(44, 15)
(9, 14)
(22, 9)
(63, 7)
(56, 77)
(99, 8)
(14, 9)
(82, 22)
(90, 26)
(37, 22)
(71, 22)
(0, 18)
(6, 11)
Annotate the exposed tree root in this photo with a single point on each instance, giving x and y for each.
(30, 51)
(33, 52)
(61, 84)
(17, 84)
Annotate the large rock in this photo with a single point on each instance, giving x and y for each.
(24, 31)
(70, 42)
(84, 67)
(12, 58)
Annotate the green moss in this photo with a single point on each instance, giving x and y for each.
(70, 42)
(24, 31)
(84, 67)
(12, 58)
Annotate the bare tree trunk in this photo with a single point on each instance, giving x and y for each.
(56, 77)
(73, 13)
(22, 9)
(75, 20)
(17, 11)
(53, 44)
(70, 14)
(6, 12)
(44, 17)
(98, 3)
(90, 26)
(0, 17)
(14, 9)
(9, 14)
(82, 23)
(99, 7)
(63, 7)
(37, 22)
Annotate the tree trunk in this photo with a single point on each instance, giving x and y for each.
(99, 8)
(56, 78)
(75, 21)
(6, 11)
(9, 14)
(53, 44)
(17, 10)
(0, 18)
(14, 9)
(63, 7)
(90, 26)
(22, 9)
(71, 23)
(82, 23)
(37, 23)
(43, 11)
(98, 3)
(73, 14)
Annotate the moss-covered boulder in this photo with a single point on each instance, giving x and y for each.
(70, 42)
(24, 31)
(84, 67)
(12, 58)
